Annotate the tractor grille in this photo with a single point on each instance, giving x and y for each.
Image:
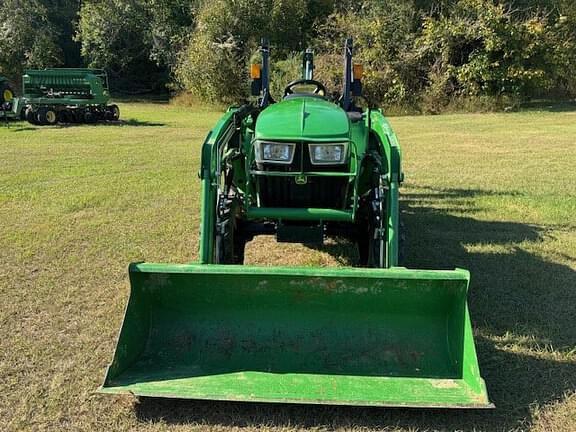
(318, 192)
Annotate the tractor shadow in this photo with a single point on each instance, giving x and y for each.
(21, 129)
(133, 122)
(550, 106)
(119, 123)
(520, 304)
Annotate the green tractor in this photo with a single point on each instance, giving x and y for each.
(11, 107)
(301, 168)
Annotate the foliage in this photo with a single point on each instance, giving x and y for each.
(63, 16)
(114, 36)
(213, 70)
(480, 49)
(436, 54)
(421, 54)
(384, 34)
(27, 38)
(563, 39)
(214, 63)
(170, 22)
(284, 71)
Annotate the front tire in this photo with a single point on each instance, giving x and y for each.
(229, 245)
(372, 230)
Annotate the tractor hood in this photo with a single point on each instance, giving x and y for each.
(303, 118)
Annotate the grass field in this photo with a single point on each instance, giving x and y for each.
(492, 193)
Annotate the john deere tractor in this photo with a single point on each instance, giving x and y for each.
(11, 107)
(300, 166)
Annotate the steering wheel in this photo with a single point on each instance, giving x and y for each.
(318, 90)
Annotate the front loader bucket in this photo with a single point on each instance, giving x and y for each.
(370, 337)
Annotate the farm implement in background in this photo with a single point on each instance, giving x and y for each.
(67, 96)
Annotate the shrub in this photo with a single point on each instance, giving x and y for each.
(27, 38)
(214, 70)
(214, 64)
(384, 35)
(480, 48)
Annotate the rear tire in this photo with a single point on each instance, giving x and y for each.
(51, 116)
(6, 93)
(41, 116)
(76, 116)
(229, 244)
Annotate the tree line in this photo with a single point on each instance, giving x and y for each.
(423, 54)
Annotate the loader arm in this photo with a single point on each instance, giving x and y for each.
(393, 178)
(210, 165)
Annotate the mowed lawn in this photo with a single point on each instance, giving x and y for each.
(493, 193)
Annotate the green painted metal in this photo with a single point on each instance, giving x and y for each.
(208, 203)
(77, 87)
(381, 337)
(393, 225)
(394, 177)
(214, 142)
(303, 118)
(15, 112)
(300, 214)
(298, 173)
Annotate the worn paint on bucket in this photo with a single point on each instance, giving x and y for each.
(374, 337)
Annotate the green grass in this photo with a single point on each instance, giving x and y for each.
(492, 193)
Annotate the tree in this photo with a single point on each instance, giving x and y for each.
(171, 21)
(482, 48)
(63, 16)
(414, 52)
(114, 36)
(27, 38)
(563, 41)
(214, 64)
(384, 33)
(135, 40)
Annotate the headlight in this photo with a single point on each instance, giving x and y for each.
(327, 154)
(282, 153)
